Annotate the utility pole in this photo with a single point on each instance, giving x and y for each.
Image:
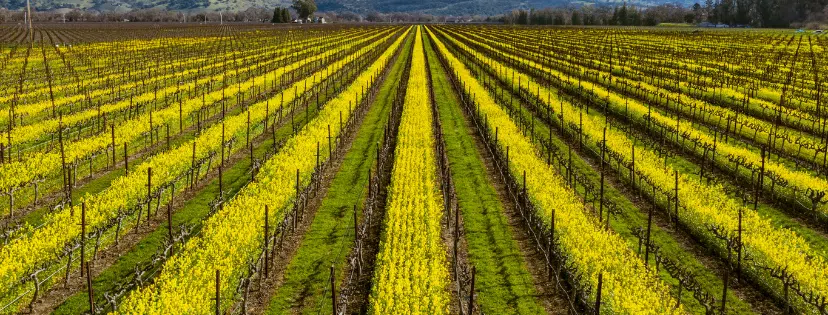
(29, 20)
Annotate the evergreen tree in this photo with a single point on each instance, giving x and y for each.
(576, 18)
(713, 14)
(285, 15)
(697, 12)
(277, 16)
(622, 15)
(559, 20)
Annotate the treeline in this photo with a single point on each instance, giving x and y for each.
(142, 15)
(765, 13)
(602, 15)
(753, 13)
(260, 15)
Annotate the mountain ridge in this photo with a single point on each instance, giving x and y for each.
(437, 7)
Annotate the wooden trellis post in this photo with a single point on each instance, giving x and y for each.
(724, 289)
(193, 170)
(456, 240)
(761, 180)
(218, 292)
(601, 201)
(266, 242)
(114, 149)
(598, 294)
(180, 116)
(295, 217)
(170, 226)
(356, 227)
(333, 289)
(149, 194)
(66, 187)
(126, 160)
(83, 236)
(649, 229)
(471, 291)
(551, 245)
(90, 290)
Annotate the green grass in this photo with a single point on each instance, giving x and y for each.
(329, 239)
(780, 216)
(503, 283)
(632, 217)
(675, 25)
(192, 213)
(54, 185)
(99, 184)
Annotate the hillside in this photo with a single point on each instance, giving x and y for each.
(453, 7)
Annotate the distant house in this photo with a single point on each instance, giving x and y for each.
(720, 25)
(311, 20)
(817, 32)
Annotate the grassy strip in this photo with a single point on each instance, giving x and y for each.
(192, 213)
(503, 283)
(329, 238)
(632, 217)
(53, 185)
(97, 185)
(779, 216)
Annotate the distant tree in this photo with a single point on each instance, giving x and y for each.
(708, 10)
(75, 15)
(576, 18)
(5, 15)
(622, 15)
(285, 15)
(277, 16)
(698, 12)
(726, 9)
(523, 17)
(634, 18)
(304, 8)
(650, 20)
(375, 16)
(614, 20)
(712, 11)
(559, 20)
